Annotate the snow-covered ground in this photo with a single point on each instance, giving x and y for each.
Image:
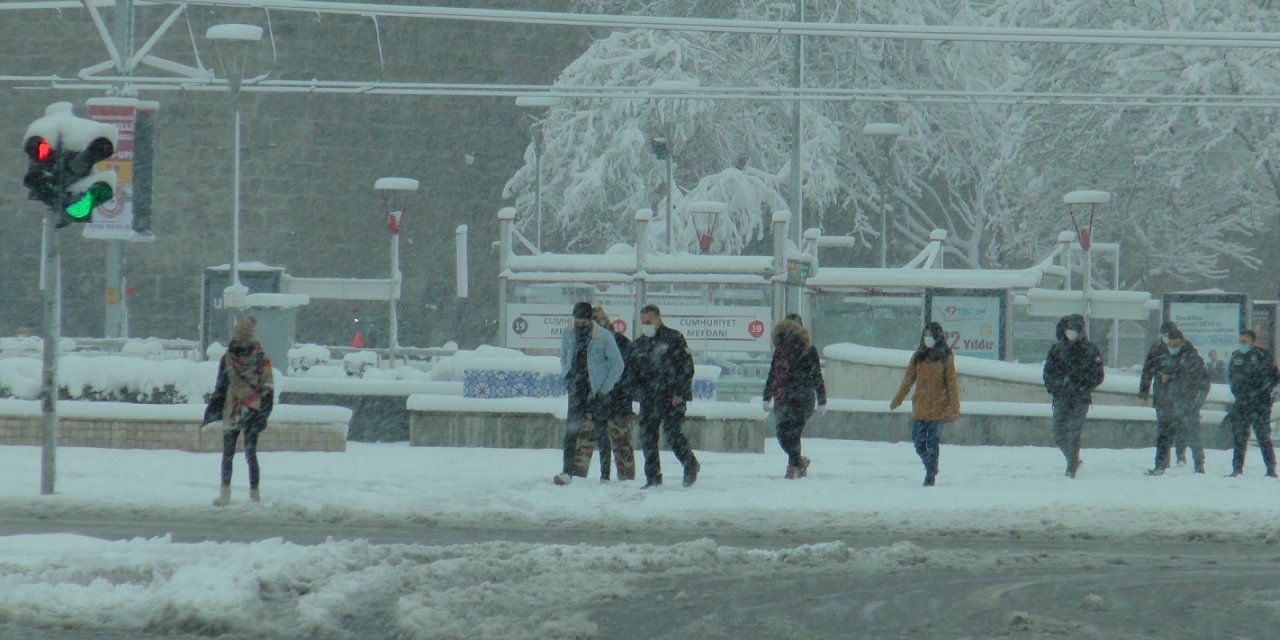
(503, 589)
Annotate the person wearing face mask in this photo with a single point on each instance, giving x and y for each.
(619, 415)
(591, 365)
(1182, 388)
(793, 384)
(664, 378)
(1072, 370)
(1252, 375)
(936, 401)
(1149, 385)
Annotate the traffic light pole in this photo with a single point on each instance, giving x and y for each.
(51, 289)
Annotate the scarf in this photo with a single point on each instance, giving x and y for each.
(248, 377)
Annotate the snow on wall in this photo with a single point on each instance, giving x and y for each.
(194, 413)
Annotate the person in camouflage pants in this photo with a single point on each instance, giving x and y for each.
(620, 412)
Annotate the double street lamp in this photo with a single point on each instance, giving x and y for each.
(232, 42)
(889, 131)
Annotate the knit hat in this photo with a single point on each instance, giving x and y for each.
(582, 310)
(243, 331)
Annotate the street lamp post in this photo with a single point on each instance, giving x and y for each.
(890, 132)
(1085, 237)
(395, 192)
(232, 43)
(538, 102)
(664, 146)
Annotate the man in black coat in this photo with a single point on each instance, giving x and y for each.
(1155, 355)
(663, 374)
(1183, 385)
(1252, 375)
(1072, 370)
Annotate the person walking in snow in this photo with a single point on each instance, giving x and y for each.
(790, 390)
(619, 415)
(1252, 375)
(1148, 383)
(1182, 388)
(1072, 370)
(242, 400)
(936, 401)
(664, 379)
(591, 365)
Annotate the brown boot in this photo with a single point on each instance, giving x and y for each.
(791, 473)
(224, 496)
(802, 471)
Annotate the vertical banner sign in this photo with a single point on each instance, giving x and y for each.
(1211, 321)
(973, 319)
(1263, 322)
(144, 145)
(114, 220)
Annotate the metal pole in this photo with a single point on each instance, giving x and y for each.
(671, 243)
(537, 163)
(114, 321)
(884, 230)
(1088, 280)
(395, 288)
(52, 302)
(234, 85)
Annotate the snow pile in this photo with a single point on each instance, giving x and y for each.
(113, 378)
(303, 357)
(487, 358)
(143, 347)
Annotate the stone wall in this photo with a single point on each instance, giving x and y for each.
(167, 434)
(511, 430)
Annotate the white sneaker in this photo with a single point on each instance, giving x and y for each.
(562, 478)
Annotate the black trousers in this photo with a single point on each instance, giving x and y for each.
(1257, 417)
(229, 437)
(657, 412)
(1171, 425)
(790, 420)
(1068, 424)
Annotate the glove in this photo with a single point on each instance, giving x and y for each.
(821, 410)
(767, 405)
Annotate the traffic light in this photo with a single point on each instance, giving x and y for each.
(62, 150)
(42, 163)
(85, 188)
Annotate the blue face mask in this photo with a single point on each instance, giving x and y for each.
(1173, 351)
(1243, 348)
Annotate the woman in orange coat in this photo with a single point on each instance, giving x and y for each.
(932, 371)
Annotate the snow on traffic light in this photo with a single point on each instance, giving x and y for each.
(63, 150)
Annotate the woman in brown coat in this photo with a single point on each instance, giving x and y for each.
(932, 371)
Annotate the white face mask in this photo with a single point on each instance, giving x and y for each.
(1071, 334)
(1164, 339)
(929, 341)
(648, 330)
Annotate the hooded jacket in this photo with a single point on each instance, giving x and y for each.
(1073, 368)
(932, 371)
(795, 373)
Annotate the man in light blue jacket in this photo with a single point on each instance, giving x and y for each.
(592, 365)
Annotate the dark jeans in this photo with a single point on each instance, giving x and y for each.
(1170, 427)
(597, 410)
(229, 437)
(1068, 423)
(655, 412)
(790, 421)
(927, 436)
(1259, 418)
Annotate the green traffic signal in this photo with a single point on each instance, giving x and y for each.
(95, 196)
